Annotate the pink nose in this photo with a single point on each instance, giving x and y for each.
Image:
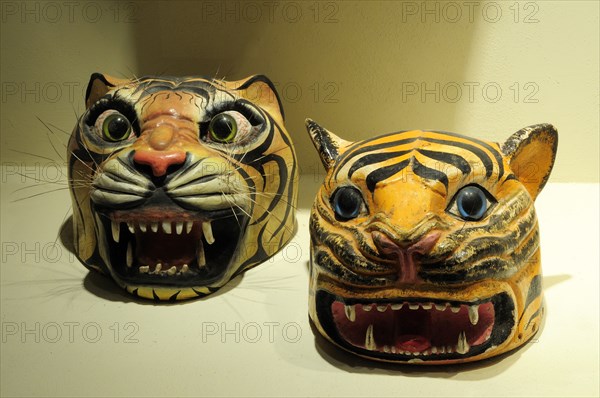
(158, 161)
(404, 253)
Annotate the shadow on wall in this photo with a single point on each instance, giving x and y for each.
(358, 68)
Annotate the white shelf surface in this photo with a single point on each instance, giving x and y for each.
(53, 309)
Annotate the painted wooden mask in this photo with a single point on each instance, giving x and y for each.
(180, 184)
(424, 245)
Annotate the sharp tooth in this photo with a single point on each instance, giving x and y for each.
(350, 312)
(370, 340)
(427, 306)
(474, 314)
(144, 269)
(462, 347)
(207, 230)
(396, 307)
(154, 226)
(386, 348)
(201, 258)
(157, 268)
(455, 309)
(131, 227)
(413, 306)
(129, 255)
(366, 307)
(440, 307)
(185, 268)
(166, 225)
(434, 350)
(142, 227)
(179, 227)
(172, 270)
(189, 226)
(382, 308)
(442, 350)
(449, 350)
(115, 230)
(393, 349)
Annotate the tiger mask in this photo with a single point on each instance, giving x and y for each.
(180, 184)
(425, 246)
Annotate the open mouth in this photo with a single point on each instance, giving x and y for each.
(416, 329)
(171, 246)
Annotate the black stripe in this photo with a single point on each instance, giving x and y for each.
(533, 316)
(291, 184)
(480, 153)
(449, 158)
(384, 173)
(535, 290)
(429, 174)
(484, 144)
(344, 251)
(174, 297)
(264, 79)
(374, 158)
(346, 156)
(333, 267)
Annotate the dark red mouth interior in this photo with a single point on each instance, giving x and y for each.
(412, 328)
(169, 249)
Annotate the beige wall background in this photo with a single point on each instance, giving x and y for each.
(359, 68)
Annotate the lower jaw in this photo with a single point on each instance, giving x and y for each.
(416, 335)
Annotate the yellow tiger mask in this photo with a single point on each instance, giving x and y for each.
(425, 246)
(180, 184)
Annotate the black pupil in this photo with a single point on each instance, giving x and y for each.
(118, 126)
(347, 203)
(471, 202)
(222, 126)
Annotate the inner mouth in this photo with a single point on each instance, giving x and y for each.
(171, 246)
(416, 329)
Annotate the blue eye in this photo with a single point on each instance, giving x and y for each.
(470, 203)
(347, 203)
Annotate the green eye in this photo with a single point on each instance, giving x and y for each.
(223, 128)
(116, 127)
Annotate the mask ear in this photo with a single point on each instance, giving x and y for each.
(531, 152)
(329, 145)
(261, 91)
(99, 85)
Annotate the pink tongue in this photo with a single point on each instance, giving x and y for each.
(412, 343)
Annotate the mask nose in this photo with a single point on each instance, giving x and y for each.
(160, 153)
(404, 252)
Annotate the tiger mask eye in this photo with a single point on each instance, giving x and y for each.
(444, 267)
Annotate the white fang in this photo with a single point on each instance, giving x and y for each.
(129, 255)
(115, 230)
(350, 312)
(208, 234)
(370, 340)
(474, 314)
